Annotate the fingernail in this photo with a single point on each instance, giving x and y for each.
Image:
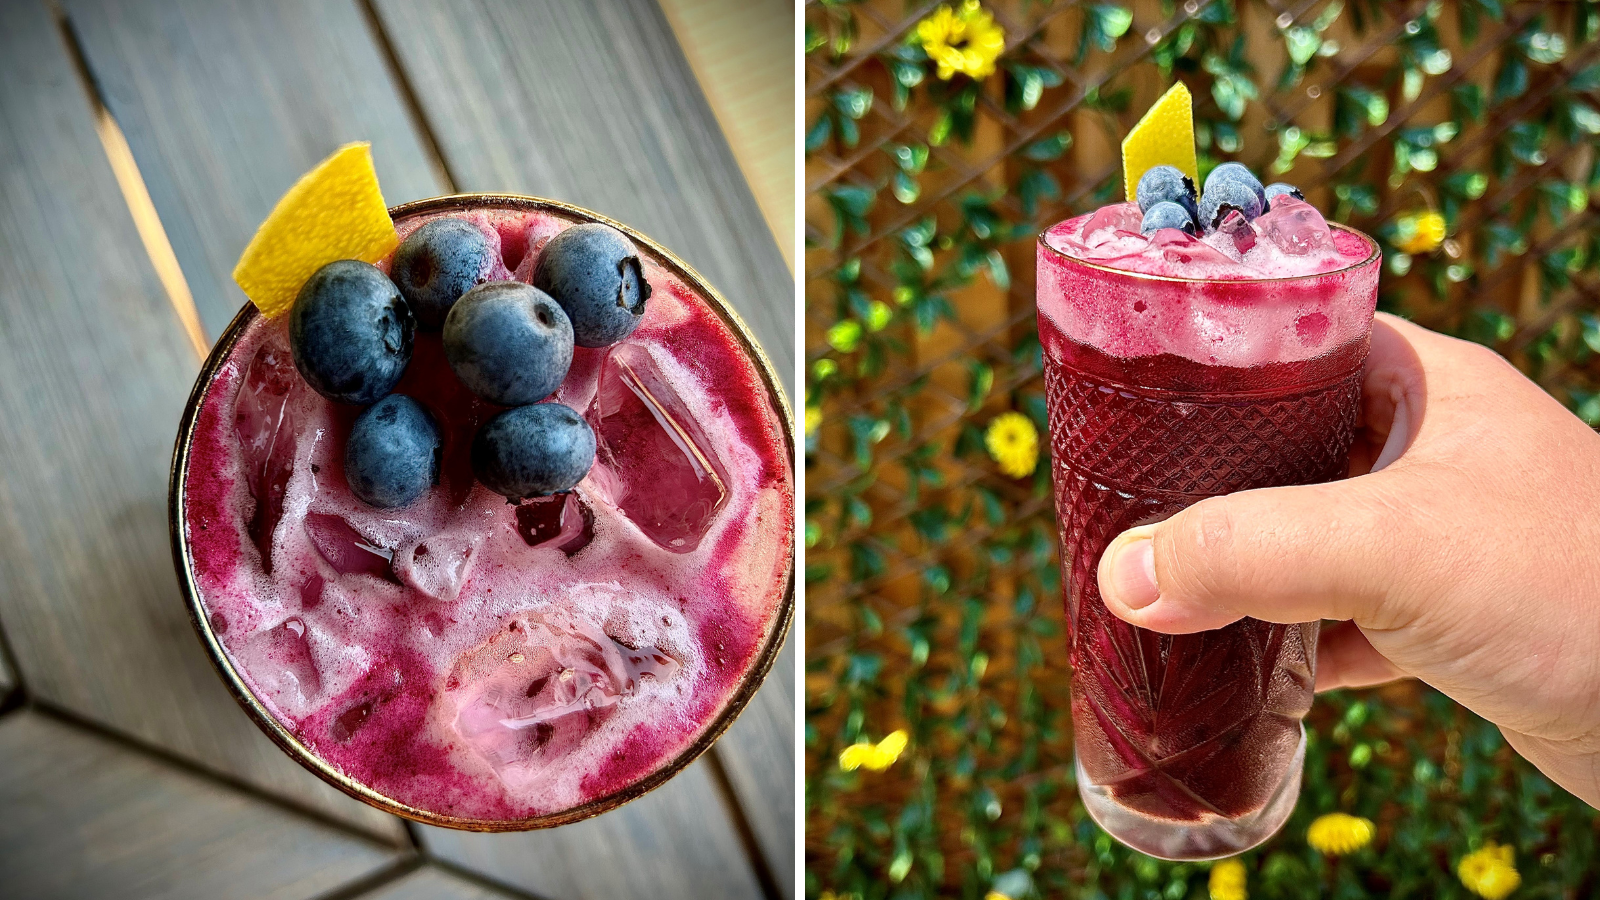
(1131, 569)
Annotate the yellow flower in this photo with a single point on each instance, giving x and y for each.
(964, 40)
(1227, 880)
(813, 419)
(1013, 442)
(876, 757)
(995, 895)
(1336, 834)
(1419, 232)
(1489, 872)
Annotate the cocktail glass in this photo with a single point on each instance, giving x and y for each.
(1163, 391)
(668, 524)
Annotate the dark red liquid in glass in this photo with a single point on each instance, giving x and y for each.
(1188, 746)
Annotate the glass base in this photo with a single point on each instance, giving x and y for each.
(1214, 838)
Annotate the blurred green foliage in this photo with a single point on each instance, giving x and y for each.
(933, 591)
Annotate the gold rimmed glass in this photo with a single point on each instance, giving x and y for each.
(292, 745)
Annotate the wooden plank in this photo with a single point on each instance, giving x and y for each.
(8, 679)
(226, 102)
(758, 755)
(94, 370)
(85, 817)
(667, 845)
(593, 103)
(434, 883)
(742, 53)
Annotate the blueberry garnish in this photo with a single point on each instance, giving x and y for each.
(438, 263)
(1165, 184)
(1279, 189)
(1238, 173)
(350, 332)
(392, 455)
(593, 271)
(533, 451)
(508, 342)
(1167, 214)
(1224, 196)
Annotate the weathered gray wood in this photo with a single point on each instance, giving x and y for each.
(94, 370)
(593, 103)
(667, 845)
(226, 102)
(433, 883)
(84, 817)
(8, 680)
(758, 755)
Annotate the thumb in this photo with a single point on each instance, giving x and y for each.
(1287, 554)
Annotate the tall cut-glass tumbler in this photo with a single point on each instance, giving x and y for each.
(1164, 391)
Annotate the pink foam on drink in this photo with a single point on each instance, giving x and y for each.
(481, 660)
(1203, 299)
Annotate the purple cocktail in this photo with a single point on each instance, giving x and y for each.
(476, 663)
(1180, 367)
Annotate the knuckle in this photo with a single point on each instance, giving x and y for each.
(1202, 552)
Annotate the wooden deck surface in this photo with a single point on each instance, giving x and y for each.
(141, 142)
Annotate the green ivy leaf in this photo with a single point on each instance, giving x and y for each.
(980, 380)
(1544, 47)
(1466, 102)
(845, 336)
(819, 132)
(1103, 23)
(1303, 44)
(1036, 185)
(1049, 148)
(904, 187)
(878, 315)
(853, 102)
(1512, 79)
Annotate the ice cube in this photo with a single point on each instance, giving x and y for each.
(1312, 328)
(1295, 227)
(264, 422)
(1237, 229)
(532, 692)
(1121, 245)
(566, 517)
(279, 660)
(1181, 249)
(1110, 222)
(375, 688)
(656, 463)
(346, 550)
(438, 565)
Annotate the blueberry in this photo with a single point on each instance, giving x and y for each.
(350, 332)
(1237, 172)
(1167, 214)
(1278, 189)
(593, 272)
(392, 455)
(508, 342)
(1224, 196)
(533, 451)
(1165, 184)
(438, 263)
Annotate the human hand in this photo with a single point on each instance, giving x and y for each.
(1463, 551)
